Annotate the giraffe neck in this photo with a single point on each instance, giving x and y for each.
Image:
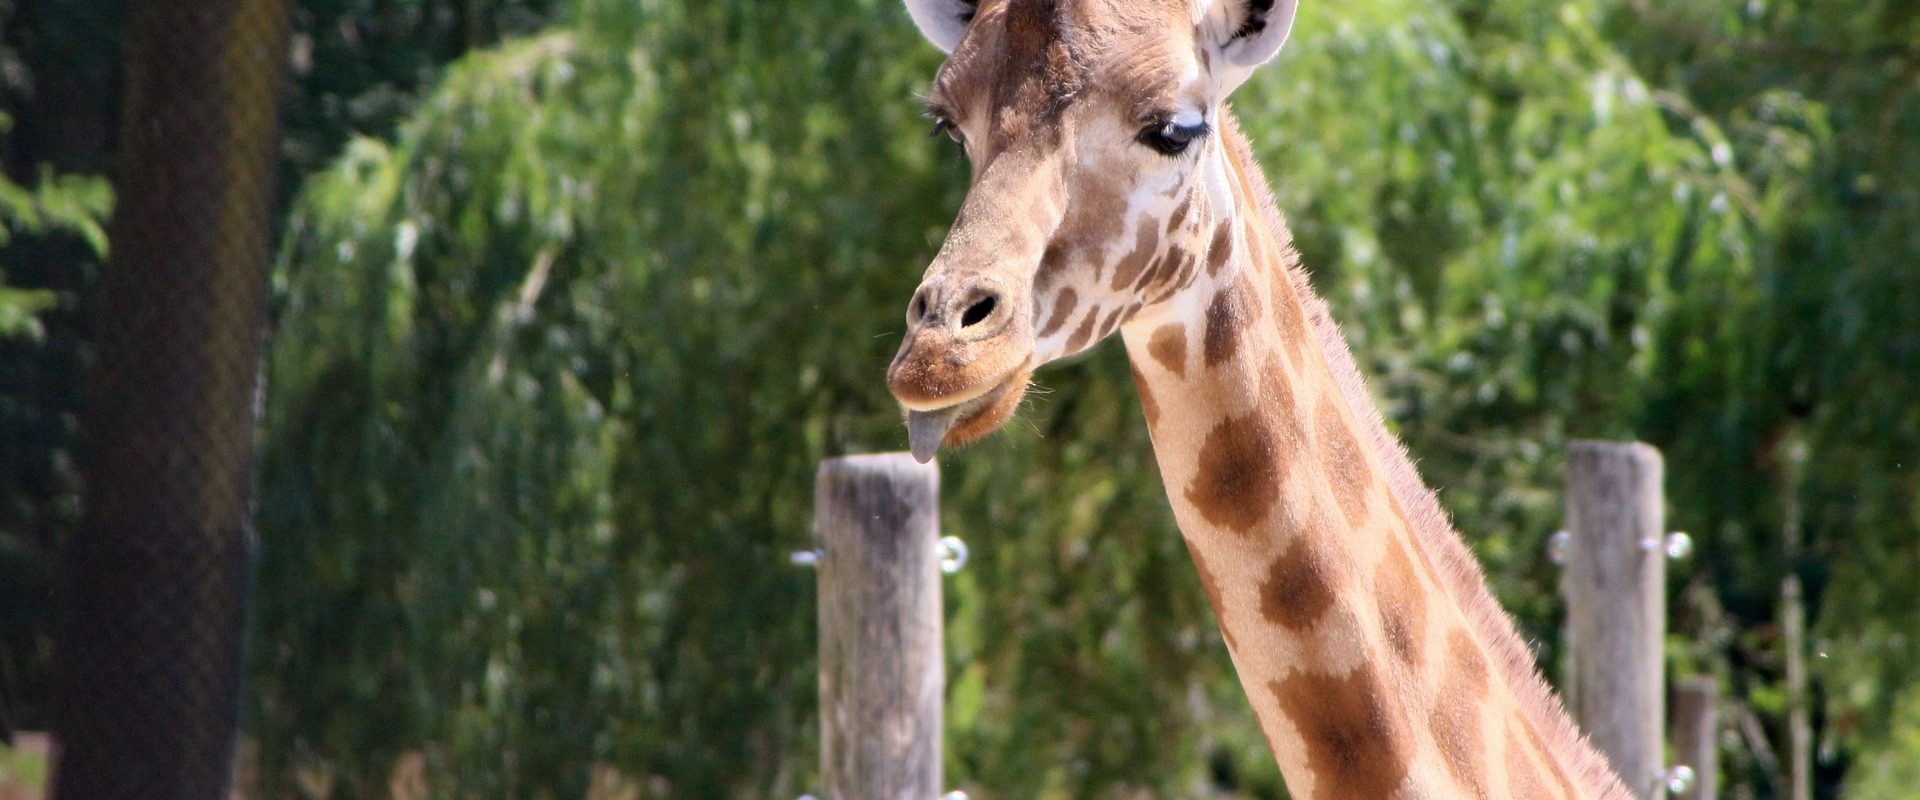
(1363, 633)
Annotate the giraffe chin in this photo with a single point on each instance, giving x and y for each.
(956, 425)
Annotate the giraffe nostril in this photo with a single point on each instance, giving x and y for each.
(917, 310)
(978, 312)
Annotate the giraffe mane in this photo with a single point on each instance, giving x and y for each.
(1459, 572)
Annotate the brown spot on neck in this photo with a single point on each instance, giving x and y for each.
(1289, 312)
(1145, 244)
(1112, 322)
(1277, 398)
(1465, 660)
(1403, 604)
(1227, 318)
(1166, 271)
(1357, 746)
(1296, 592)
(1222, 247)
(1456, 715)
(1063, 306)
(1179, 217)
(1082, 335)
(1456, 728)
(1147, 276)
(1169, 347)
(1173, 275)
(1238, 480)
(1052, 262)
(1346, 468)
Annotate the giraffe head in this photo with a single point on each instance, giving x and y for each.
(1098, 191)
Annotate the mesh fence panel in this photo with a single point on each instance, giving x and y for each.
(149, 654)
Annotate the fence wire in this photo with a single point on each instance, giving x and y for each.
(149, 653)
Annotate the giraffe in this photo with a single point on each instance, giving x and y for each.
(1112, 191)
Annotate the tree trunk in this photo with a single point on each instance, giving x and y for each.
(149, 655)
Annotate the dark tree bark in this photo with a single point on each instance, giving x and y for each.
(149, 658)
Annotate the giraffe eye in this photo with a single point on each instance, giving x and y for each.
(1171, 138)
(943, 125)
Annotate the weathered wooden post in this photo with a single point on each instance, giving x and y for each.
(1615, 587)
(1696, 734)
(882, 674)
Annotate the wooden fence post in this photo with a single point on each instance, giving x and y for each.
(1696, 734)
(882, 671)
(1615, 587)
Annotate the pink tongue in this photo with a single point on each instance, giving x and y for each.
(927, 429)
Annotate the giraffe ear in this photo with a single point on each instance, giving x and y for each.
(1243, 34)
(943, 22)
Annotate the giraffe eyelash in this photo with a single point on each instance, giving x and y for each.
(1169, 138)
(943, 123)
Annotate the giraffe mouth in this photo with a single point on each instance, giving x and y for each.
(968, 420)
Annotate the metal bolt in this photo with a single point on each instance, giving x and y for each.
(1678, 778)
(806, 558)
(953, 557)
(1558, 545)
(1679, 545)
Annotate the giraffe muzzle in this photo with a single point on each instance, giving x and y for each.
(964, 362)
(968, 420)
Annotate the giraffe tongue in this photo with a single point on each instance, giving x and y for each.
(927, 429)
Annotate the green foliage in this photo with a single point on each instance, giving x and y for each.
(531, 391)
(554, 366)
(1893, 771)
(360, 66)
(55, 203)
(37, 481)
(1817, 379)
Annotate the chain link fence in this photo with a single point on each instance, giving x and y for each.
(148, 662)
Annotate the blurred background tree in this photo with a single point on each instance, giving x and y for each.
(358, 67)
(55, 153)
(563, 329)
